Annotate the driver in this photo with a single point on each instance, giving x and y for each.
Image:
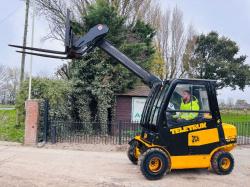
(188, 102)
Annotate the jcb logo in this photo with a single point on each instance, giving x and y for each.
(195, 139)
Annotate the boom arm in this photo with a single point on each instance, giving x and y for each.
(76, 48)
(147, 77)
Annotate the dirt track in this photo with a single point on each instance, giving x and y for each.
(28, 166)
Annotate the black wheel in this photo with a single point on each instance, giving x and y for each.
(154, 163)
(133, 152)
(222, 163)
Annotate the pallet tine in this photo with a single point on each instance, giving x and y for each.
(38, 49)
(44, 55)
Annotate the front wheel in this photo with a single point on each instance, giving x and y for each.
(222, 163)
(154, 163)
(133, 152)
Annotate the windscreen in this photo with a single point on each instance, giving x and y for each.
(149, 103)
(157, 105)
(153, 105)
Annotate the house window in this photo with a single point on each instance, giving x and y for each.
(137, 108)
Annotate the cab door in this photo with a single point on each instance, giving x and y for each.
(188, 113)
(204, 140)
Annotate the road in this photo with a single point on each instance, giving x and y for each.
(30, 166)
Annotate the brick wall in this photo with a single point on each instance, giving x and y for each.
(31, 121)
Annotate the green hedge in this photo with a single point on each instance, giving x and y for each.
(56, 91)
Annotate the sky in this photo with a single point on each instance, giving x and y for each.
(12, 15)
(230, 18)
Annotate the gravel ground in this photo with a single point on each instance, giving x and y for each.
(101, 165)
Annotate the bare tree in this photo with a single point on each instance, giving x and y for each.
(3, 76)
(177, 43)
(13, 83)
(189, 48)
(171, 38)
(133, 10)
(55, 12)
(9, 84)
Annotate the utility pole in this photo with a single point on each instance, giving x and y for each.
(23, 55)
(31, 56)
(24, 39)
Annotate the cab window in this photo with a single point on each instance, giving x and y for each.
(188, 104)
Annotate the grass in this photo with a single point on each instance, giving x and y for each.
(8, 129)
(241, 119)
(233, 116)
(6, 106)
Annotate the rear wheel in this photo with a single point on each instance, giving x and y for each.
(133, 152)
(154, 163)
(222, 163)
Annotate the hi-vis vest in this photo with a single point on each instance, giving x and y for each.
(193, 105)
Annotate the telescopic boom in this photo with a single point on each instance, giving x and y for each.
(77, 47)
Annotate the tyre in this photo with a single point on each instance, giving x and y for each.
(154, 163)
(222, 163)
(133, 152)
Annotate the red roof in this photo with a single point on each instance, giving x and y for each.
(139, 91)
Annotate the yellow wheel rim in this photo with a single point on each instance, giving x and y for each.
(137, 152)
(225, 163)
(155, 164)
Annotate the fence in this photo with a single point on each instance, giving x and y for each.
(243, 132)
(92, 133)
(116, 133)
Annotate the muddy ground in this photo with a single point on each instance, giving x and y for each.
(101, 165)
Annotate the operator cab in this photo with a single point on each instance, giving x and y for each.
(164, 103)
(164, 115)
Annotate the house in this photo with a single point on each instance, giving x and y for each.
(129, 105)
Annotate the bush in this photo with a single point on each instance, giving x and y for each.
(56, 91)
